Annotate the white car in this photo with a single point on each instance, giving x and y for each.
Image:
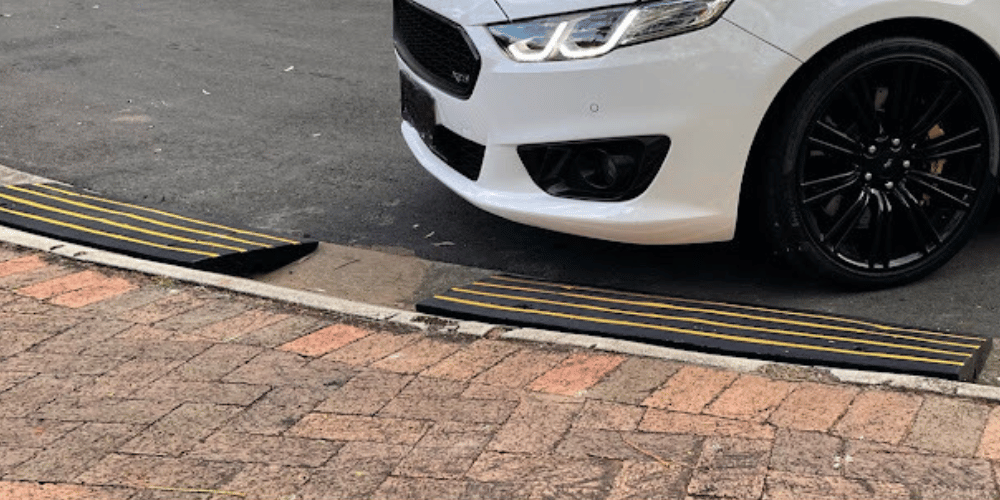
(859, 138)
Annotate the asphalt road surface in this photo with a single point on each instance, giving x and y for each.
(282, 115)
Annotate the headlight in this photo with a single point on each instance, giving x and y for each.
(595, 33)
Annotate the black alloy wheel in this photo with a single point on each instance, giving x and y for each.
(884, 165)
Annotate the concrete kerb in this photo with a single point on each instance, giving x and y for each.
(424, 321)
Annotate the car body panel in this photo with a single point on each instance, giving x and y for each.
(467, 12)
(523, 9)
(805, 28)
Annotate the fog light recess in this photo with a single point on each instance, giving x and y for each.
(602, 170)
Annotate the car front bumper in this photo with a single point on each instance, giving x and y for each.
(707, 91)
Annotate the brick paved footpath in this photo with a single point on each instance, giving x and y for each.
(120, 386)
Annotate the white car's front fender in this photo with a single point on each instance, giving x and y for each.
(803, 28)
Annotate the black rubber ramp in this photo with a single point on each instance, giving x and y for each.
(760, 332)
(80, 217)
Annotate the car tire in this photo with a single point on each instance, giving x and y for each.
(883, 165)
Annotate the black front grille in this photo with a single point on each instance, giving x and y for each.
(461, 154)
(436, 48)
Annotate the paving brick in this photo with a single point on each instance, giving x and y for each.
(576, 374)
(116, 306)
(278, 368)
(128, 378)
(268, 419)
(32, 432)
(201, 392)
(919, 470)
(28, 396)
(165, 493)
(328, 339)
(808, 453)
(605, 415)
(483, 391)
(21, 265)
(382, 457)
(984, 491)
(452, 409)
(535, 427)
(270, 368)
(11, 379)
(989, 446)
(232, 329)
(750, 398)
(29, 278)
(559, 474)
(58, 286)
(298, 396)
(416, 357)
(731, 468)
(947, 425)
(180, 430)
(267, 482)
(443, 463)
(366, 393)
(238, 447)
(634, 381)
(471, 360)
(82, 336)
(702, 425)
(59, 364)
(145, 332)
(215, 363)
(12, 457)
(789, 486)
(283, 331)
(84, 297)
(813, 407)
(354, 473)
(359, 428)
(35, 491)
(635, 446)
(856, 447)
(16, 342)
(690, 389)
(405, 488)
(425, 387)
(650, 481)
(107, 410)
(33, 309)
(166, 307)
(123, 348)
(209, 312)
(446, 451)
(23, 331)
(144, 472)
(533, 490)
(74, 453)
(494, 491)
(878, 415)
(520, 368)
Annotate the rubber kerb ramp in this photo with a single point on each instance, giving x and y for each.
(80, 217)
(767, 333)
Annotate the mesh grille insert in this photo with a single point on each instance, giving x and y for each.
(435, 48)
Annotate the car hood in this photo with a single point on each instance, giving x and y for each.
(467, 12)
(520, 9)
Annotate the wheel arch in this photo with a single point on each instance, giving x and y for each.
(980, 54)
